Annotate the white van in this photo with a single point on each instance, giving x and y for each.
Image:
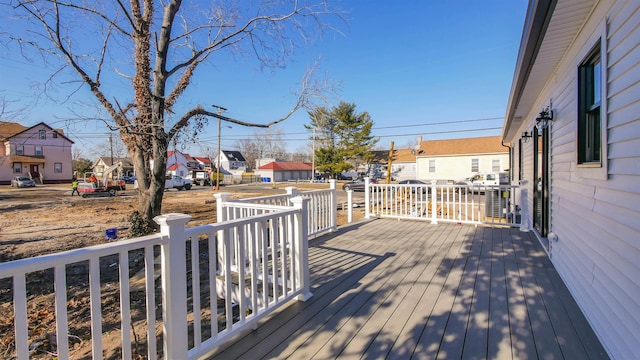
(485, 179)
(489, 179)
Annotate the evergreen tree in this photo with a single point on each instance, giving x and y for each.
(342, 138)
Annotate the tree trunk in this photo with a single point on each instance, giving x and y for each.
(151, 184)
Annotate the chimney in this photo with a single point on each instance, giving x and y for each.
(419, 142)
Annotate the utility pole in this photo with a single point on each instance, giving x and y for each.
(220, 110)
(389, 163)
(313, 156)
(111, 146)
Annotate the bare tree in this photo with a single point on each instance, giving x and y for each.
(262, 144)
(303, 153)
(111, 147)
(8, 111)
(156, 48)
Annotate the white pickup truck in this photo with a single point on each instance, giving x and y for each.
(177, 182)
(484, 179)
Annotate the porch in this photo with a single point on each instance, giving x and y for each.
(400, 289)
(427, 279)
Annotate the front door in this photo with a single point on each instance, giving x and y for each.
(541, 199)
(35, 173)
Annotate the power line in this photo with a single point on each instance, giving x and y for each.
(240, 137)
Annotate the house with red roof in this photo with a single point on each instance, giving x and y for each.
(285, 171)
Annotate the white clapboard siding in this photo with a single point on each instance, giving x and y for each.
(597, 220)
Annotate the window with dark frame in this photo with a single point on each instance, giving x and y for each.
(20, 150)
(38, 151)
(54, 135)
(17, 168)
(57, 168)
(42, 135)
(589, 108)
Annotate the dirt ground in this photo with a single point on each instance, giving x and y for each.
(32, 226)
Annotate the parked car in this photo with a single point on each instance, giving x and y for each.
(128, 179)
(357, 184)
(22, 181)
(415, 182)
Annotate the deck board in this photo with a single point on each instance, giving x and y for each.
(389, 289)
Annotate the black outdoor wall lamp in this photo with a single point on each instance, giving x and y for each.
(526, 135)
(544, 118)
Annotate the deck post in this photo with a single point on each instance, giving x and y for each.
(525, 219)
(434, 202)
(349, 206)
(367, 194)
(174, 287)
(221, 198)
(301, 252)
(333, 206)
(221, 216)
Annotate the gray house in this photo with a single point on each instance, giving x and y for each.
(573, 126)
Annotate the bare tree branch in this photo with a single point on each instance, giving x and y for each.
(157, 47)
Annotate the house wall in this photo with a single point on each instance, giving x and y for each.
(264, 173)
(403, 171)
(177, 158)
(597, 218)
(181, 171)
(285, 175)
(236, 168)
(54, 150)
(457, 167)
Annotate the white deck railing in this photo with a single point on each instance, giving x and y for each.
(204, 301)
(321, 209)
(497, 205)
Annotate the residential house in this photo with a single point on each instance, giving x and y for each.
(454, 159)
(285, 170)
(403, 165)
(204, 163)
(376, 168)
(232, 163)
(39, 152)
(104, 162)
(573, 125)
(265, 161)
(183, 164)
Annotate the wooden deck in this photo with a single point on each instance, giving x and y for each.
(389, 289)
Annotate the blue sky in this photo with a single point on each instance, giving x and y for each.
(417, 67)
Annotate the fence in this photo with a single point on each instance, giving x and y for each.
(496, 205)
(321, 208)
(203, 301)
